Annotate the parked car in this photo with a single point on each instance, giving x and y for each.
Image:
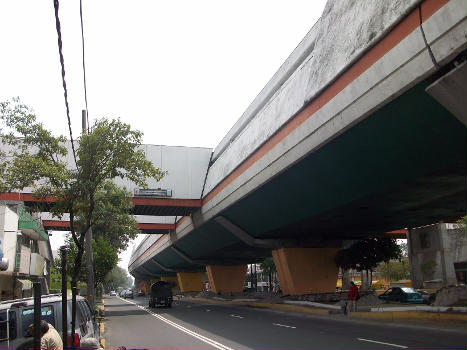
(141, 293)
(122, 293)
(16, 315)
(112, 293)
(129, 294)
(402, 294)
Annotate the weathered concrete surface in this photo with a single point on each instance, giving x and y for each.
(433, 250)
(345, 30)
(451, 296)
(365, 84)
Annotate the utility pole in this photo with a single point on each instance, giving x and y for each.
(64, 297)
(88, 244)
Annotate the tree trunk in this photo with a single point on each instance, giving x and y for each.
(364, 280)
(346, 280)
(89, 266)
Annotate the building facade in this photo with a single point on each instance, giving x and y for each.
(26, 253)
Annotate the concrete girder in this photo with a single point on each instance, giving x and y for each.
(223, 262)
(149, 273)
(188, 259)
(162, 266)
(450, 91)
(246, 238)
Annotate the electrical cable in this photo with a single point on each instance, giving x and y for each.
(62, 63)
(84, 66)
(433, 59)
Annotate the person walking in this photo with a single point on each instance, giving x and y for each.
(353, 296)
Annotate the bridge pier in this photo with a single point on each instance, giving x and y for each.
(190, 281)
(144, 286)
(172, 279)
(306, 270)
(226, 279)
(434, 252)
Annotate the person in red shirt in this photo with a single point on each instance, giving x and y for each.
(353, 296)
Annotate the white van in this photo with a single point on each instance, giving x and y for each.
(16, 315)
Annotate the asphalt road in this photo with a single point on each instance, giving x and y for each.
(193, 325)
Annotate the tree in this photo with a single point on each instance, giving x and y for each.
(111, 219)
(367, 253)
(268, 266)
(117, 277)
(34, 158)
(394, 270)
(113, 228)
(105, 259)
(462, 222)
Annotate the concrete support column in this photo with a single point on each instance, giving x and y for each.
(432, 255)
(190, 281)
(172, 279)
(306, 270)
(144, 286)
(226, 279)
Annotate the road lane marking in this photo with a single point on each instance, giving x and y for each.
(380, 342)
(283, 325)
(207, 340)
(236, 316)
(208, 310)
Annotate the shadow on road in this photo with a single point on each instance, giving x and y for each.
(126, 312)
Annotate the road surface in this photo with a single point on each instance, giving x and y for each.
(193, 325)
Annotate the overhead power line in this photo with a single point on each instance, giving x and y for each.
(65, 93)
(84, 66)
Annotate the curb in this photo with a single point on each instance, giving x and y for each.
(267, 305)
(395, 316)
(102, 328)
(392, 316)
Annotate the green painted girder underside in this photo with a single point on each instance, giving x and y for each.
(403, 166)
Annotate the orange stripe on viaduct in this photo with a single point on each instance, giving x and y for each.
(156, 202)
(141, 226)
(395, 36)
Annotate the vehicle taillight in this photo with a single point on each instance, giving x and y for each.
(77, 342)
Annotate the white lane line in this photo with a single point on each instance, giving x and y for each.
(207, 340)
(236, 316)
(283, 325)
(380, 342)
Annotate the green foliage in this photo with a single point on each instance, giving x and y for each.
(117, 277)
(367, 253)
(394, 270)
(268, 265)
(32, 157)
(105, 258)
(104, 254)
(110, 218)
(462, 223)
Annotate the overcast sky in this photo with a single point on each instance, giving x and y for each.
(183, 72)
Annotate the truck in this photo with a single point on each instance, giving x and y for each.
(160, 293)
